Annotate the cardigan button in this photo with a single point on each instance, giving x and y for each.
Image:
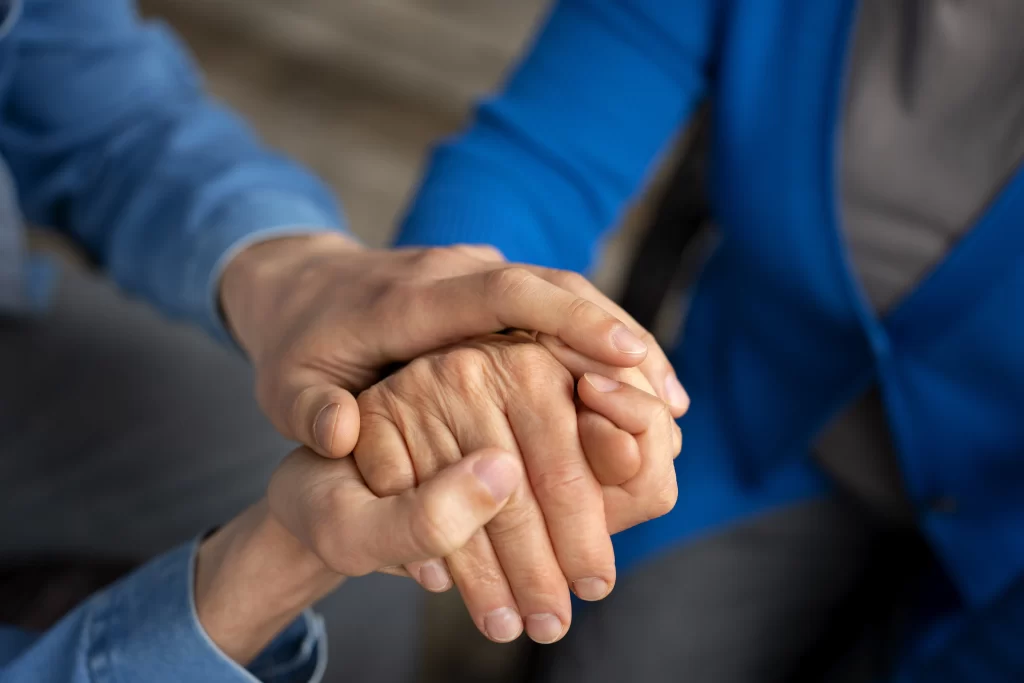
(944, 505)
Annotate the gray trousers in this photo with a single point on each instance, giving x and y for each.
(810, 592)
(122, 435)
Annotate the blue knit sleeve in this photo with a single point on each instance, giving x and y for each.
(548, 164)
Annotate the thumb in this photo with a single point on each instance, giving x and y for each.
(441, 515)
(311, 410)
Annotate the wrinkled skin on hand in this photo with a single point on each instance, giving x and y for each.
(598, 460)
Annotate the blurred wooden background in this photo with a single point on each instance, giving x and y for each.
(359, 89)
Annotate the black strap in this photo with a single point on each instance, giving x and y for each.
(680, 215)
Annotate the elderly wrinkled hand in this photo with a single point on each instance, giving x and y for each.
(593, 468)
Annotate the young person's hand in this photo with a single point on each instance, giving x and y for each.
(320, 316)
(319, 524)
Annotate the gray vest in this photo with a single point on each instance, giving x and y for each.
(933, 127)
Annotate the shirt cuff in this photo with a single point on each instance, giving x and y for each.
(146, 628)
(245, 221)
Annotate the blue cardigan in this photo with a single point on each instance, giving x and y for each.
(780, 335)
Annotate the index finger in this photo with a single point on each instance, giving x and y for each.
(545, 426)
(453, 309)
(656, 366)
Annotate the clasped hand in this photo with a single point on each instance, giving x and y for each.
(319, 316)
(597, 454)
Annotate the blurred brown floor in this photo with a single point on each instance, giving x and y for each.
(358, 90)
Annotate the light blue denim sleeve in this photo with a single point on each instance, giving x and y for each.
(111, 138)
(144, 628)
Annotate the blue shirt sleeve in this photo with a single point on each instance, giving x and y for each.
(144, 628)
(549, 163)
(111, 138)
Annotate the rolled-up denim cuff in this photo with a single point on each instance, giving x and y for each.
(145, 627)
(247, 220)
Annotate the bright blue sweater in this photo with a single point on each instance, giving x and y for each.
(780, 336)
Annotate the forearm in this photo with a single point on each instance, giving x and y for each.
(253, 578)
(145, 626)
(112, 138)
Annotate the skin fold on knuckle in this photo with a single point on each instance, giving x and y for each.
(569, 485)
(435, 260)
(470, 567)
(534, 375)
(483, 252)
(436, 530)
(579, 311)
(514, 521)
(386, 473)
(544, 583)
(573, 282)
(465, 389)
(662, 502)
(459, 373)
(656, 418)
(506, 283)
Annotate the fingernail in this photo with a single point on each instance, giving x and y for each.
(323, 426)
(601, 383)
(503, 625)
(434, 576)
(675, 393)
(627, 342)
(499, 474)
(544, 628)
(590, 589)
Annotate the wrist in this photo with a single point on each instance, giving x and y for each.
(253, 578)
(254, 280)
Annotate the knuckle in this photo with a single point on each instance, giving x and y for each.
(506, 282)
(659, 415)
(433, 259)
(663, 501)
(514, 521)
(490, 252)
(435, 531)
(386, 475)
(568, 482)
(371, 401)
(580, 311)
(465, 367)
(572, 281)
(395, 300)
(485, 252)
(543, 581)
(536, 370)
